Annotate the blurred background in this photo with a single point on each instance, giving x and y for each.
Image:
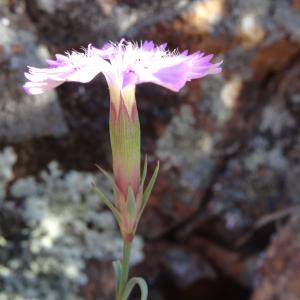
(223, 221)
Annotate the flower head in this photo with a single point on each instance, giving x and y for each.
(123, 64)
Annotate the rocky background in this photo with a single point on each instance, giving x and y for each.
(223, 221)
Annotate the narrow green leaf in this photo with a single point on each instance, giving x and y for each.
(118, 269)
(107, 202)
(142, 285)
(131, 203)
(108, 177)
(150, 185)
(144, 173)
(148, 191)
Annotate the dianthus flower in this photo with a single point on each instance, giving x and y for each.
(124, 65)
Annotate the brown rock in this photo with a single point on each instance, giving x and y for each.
(296, 5)
(101, 283)
(2, 55)
(280, 273)
(272, 59)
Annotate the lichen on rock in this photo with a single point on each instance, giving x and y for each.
(65, 226)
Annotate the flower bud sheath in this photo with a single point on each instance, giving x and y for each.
(125, 140)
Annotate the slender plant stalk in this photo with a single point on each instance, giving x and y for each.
(124, 269)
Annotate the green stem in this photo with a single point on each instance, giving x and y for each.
(124, 269)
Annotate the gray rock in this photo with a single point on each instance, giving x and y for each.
(23, 117)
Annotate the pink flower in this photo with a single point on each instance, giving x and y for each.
(123, 64)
